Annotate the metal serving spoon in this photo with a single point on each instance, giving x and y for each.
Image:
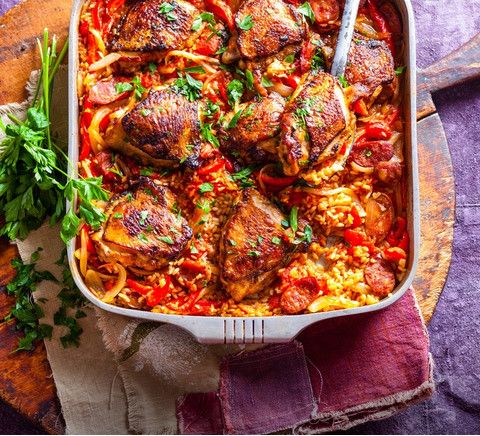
(345, 37)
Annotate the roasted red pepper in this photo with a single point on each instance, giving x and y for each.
(357, 220)
(223, 11)
(291, 80)
(306, 55)
(360, 108)
(377, 131)
(381, 24)
(154, 294)
(216, 165)
(96, 20)
(193, 266)
(277, 183)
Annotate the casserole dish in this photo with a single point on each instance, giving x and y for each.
(257, 329)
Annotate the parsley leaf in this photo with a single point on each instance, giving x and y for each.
(166, 9)
(276, 240)
(249, 79)
(207, 134)
(167, 239)
(266, 82)
(233, 122)
(122, 87)
(189, 87)
(343, 81)
(243, 176)
(234, 91)
(307, 11)
(205, 187)
(246, 23)
(207, 17)
(400, 70)
(294, 218)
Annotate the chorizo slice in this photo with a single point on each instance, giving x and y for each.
(105, 91)
(300, 295)
(380, 277)
(368, 154)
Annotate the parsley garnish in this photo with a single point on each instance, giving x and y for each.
(254, 253)
(143, 216)
(122, 87)
(266, 82)
(146, 171)
(145, 112)
(249, 79)
(207, 17)
(307, 11)
(118, 215)
(400, 70)
(243, 176)
(308, 233)
(139, 89)
(343, 81)
(152, 67)
(294, 218)
(290, 58)
(207, 134)
(205, 187)
(246, 23)
(166, 9)
(167, 239)
(232, 242)
(234, 91)
(189, 87)
(143, 238)
(276, 240)
(204, 206)
(196, 70)
(233, 122)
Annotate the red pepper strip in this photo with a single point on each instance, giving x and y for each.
(404, 242)
(381, 24)
(211, 168)
(306, 55)
(360, 107)
(104, 123)
(138, 287)
(357, 220)
(96, 15)
(83, 28)
(91, 49)
(158, 293)
(396, 234)
(222, 89)
(193, 266)
(292, 80)
(377, 131)
(86, 146)
(90, 246)
(393, 116)
(355, 238)
(394, 254)
(220, 9)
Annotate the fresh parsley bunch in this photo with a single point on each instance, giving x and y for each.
(34, 184)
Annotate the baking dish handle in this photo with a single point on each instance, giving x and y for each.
(245, 330)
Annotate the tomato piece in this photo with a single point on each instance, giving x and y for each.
(274, 301)
(223, 11)
(404, 241)
(207, 44)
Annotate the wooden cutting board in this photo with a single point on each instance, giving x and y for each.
(25, 379)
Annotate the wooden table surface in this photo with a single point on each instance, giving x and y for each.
(26, 382)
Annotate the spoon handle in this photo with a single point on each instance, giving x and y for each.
(345, 37)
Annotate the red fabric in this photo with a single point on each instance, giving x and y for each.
(359, 368)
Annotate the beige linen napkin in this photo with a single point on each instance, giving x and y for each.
(130, 381)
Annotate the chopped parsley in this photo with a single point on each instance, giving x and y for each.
(294, 218)
(254, 253)
(276, 240)
(343, 81)
(232, 242)
(122, 87)
(143, 216)
(205, 187)
(290, 58)
(204, 206)
(167, 239)
(266, 82)
(189, 87)
(118, 215)
(243, 176)
(139, 89)
(145, 112)
(143, 238)
(233, 122)
(196, 70)
(234, 91)
(152, 67)
(146, 171)
(249, 79)
(166, 9)
(193, 249)
(400, 70)
(246, 23)
(221, 50)
(207, 17)
(210, 108)
(368, 152)
(207, 134)
(307, 11)
(308, 233)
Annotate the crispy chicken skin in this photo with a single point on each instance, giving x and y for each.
(162, 130)
(251, 139)
(146, 28)
(276, 25)
(249, 257)
(370, 64)
(141, 229)
(313, 123)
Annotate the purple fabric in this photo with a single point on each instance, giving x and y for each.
(359, 368)
(442, 26)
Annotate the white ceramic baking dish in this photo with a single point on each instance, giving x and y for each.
(242, 330)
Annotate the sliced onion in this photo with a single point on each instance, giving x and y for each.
(326, 301)
(360, 169)
(94, 282)
(191, 56)
(328, 192)
(104, 62)
(121, 280)
(83, 252)
(98, 40)
(283, 90)
(380, 216)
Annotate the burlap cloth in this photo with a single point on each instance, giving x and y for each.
(126, 374)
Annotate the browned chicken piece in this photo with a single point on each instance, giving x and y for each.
(370, 64)
(142, 229)
(254, 245)
(155, 25)
(252, 138)
(274, 25)
(162, 130)
(316, 123)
